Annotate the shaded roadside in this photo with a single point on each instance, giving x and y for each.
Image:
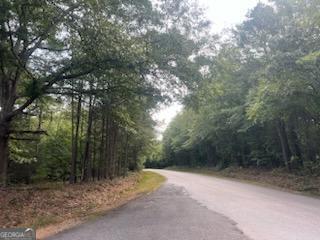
(280, 178)
(53, 207)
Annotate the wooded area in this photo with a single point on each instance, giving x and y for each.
(259, 102)
(80, 79)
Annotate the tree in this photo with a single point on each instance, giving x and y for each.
(101, 52)
(259, 98)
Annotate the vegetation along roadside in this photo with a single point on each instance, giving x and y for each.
(53, 207)
(278, 178)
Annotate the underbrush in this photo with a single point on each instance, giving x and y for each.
(299, 181)
(45, 204)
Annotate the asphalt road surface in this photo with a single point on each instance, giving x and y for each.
(197, 207)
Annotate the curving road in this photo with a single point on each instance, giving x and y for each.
(197, 207)
(261, 213)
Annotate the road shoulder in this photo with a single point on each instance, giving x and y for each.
(275, 179)
(168, 213)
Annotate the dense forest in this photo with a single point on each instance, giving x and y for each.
(80, 79)
(259, 103)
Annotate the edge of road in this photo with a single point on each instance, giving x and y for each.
(148, 183)
(213, 173)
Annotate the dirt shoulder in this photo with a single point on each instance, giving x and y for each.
(279, 178)
(53, 207)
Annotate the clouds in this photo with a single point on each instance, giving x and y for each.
(227, 13)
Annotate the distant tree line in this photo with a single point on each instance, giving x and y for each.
(259, 102)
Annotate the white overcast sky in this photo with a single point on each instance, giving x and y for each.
(223, 14)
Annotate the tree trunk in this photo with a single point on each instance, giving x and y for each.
(126, 163)
(71, 166)
(113, 151)
(102, 165)
(211, 155)
(74, 158)
(311, 148)
(295, 144)
(7, 101)
(286, 152)
(107, 151)
(4, 154)
(87, 157)
(120, 160)
(94, 151)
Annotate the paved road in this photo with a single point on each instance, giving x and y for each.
(197, 207)
(261, 213)
(168, 214)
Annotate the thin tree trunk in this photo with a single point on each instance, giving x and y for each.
(87, 157)
(74, 158)
(107, 151)
(125, 165)
(115, 152)
(39, 128)
(119, 161)
(286, 152)
(72, 173)
(210, 150)
(101, 165)
(81, 136)
(311, 150)
(111, 151)
(94, 152)
(295, 144)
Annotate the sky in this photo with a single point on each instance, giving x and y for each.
(227, 13)
(223, 14)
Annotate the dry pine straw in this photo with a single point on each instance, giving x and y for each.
(278, 177)
(42, 205)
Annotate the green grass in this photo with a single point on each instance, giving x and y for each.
(203, 171)
(43, 221)
(149, 182)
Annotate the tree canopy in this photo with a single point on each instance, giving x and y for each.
(80, 79)
(258, 104)
(97, 67)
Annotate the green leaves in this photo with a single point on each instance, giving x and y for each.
(267, 74)
(33, 89)
(312, 57)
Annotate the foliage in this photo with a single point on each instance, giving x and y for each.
(259, 102)
(79, 80)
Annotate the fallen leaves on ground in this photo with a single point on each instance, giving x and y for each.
(277, 177)
(41, 205)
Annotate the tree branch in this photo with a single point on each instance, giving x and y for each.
(36, 132)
